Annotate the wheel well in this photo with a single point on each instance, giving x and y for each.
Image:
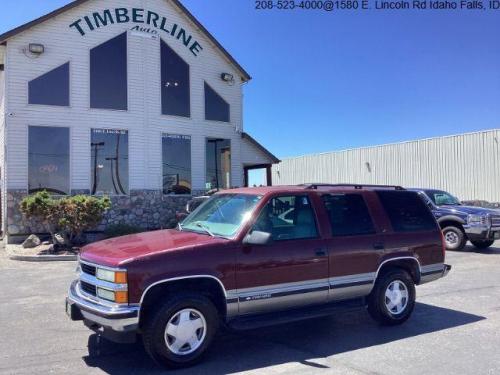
(451, 223)
(409, 265)
(205, 286)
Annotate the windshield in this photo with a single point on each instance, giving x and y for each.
(222, 215)
(442, 198)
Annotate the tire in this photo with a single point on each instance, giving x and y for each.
(379, 304)
(454, 238)
(187, 307)
(483, 244)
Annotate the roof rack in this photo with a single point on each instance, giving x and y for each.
(355, 186)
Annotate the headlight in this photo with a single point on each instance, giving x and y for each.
(113, 296)
(117, 277)
(476, 220)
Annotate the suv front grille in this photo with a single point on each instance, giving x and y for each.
(495, 221)
(88, 269)
(88, 288)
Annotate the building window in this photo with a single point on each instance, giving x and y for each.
(176, 150)
(218, 163)
(175, 89)
(109, 168)
(48, 159)
(108, 74)
(51, 88)
(216, 108)
(348, 214)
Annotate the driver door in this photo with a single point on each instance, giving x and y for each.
(291, 271)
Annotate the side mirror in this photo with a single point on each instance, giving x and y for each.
(258, 238)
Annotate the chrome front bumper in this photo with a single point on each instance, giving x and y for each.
(116, 318)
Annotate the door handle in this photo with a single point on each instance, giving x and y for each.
(378, 246)
(320, 252)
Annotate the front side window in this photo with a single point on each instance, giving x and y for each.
(48, 159)
(216, 108)
(109, 170)
(348, 214)
(442, 198)
(222, 215)
(176, 151)
(218, 163)
(51, 88)
(407, 211)
(287, 218)
(175, 89)
(108, 74)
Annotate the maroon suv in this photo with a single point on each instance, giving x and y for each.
(257, 256)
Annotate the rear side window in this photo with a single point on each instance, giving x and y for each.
(407, 211)
(348, 215)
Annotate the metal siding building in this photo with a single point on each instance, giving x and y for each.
(466, 165)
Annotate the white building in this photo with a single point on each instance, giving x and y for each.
(466, 165)
(129, 98)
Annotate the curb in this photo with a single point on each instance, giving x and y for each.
(43, 258)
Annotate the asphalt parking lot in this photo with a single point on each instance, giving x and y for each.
(455, 329)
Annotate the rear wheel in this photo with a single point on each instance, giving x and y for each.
(483, 244)
(181, 330)
(454, 238)
(392, 299)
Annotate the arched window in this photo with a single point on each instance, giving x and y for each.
(216, 108)
(51, 88)
(175, 88)
(108, 74)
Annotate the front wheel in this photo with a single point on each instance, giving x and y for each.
(392, 299)
(482, 244)
(181, 330)
(454, 238)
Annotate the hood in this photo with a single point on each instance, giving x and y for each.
(466, 210)
(118, 251)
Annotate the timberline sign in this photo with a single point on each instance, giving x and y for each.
(152, 22)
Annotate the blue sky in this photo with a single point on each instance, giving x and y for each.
(330, 81)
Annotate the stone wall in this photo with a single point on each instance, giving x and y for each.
(147, 209)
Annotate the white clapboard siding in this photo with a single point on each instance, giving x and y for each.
(143, 119)
(466, 165)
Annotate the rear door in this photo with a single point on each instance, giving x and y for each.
(355, 243)
(290, 272)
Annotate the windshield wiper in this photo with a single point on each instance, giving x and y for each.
(205, 228)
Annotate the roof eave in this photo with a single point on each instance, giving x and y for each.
(268, 153)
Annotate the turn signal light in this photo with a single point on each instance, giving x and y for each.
(120, 277)
(121, 297)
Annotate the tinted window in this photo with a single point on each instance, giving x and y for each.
(176, 164)
(108, 74)
(216, 108)
(48, 159)
(52, 88)
(407, 211)
(175, 90)
(287, 218)
(348, 214)
(218, 163)
(109, 168)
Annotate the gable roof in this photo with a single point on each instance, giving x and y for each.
(266, 152)
(9, 34)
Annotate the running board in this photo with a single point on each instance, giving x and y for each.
(283, 317)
